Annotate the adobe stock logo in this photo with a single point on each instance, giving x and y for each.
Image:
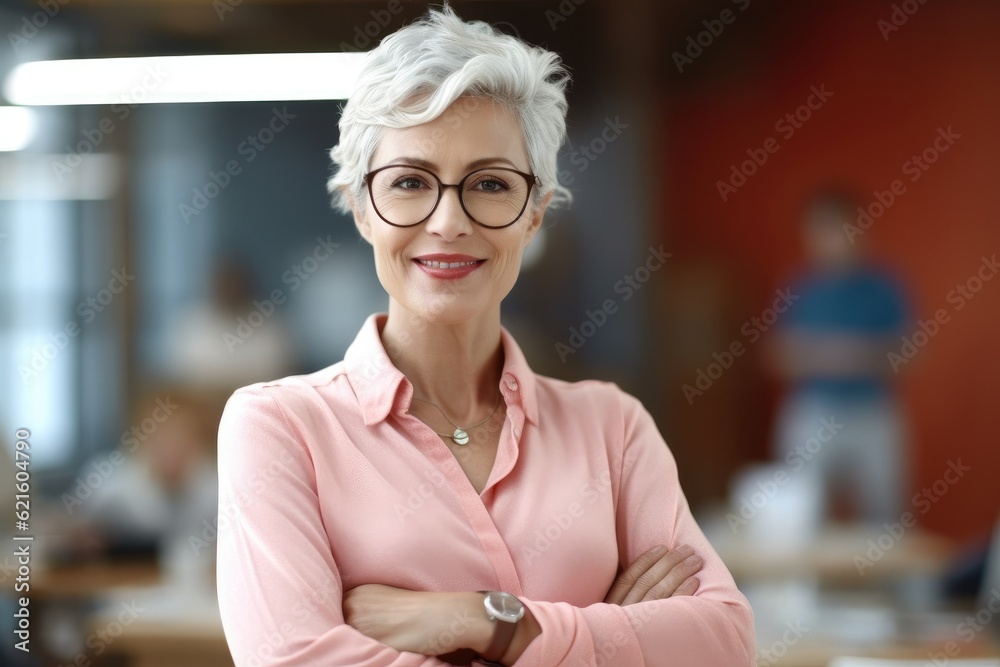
(773, 654)
(894, 532)
(296, 275)
(901, 13)
(90, 480)
(88, 309)
(968, 628)
(753, 329)
(787, 126)
(959, 296)
(366, 36)
(696, 44)
(583, 155)
(914, 168)
(749, 505)
(250, 148)
(627, 286)
(38, 21)
(565, 10)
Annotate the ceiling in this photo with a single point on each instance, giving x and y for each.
(105, 28)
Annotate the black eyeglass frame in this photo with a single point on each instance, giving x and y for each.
(442, 186)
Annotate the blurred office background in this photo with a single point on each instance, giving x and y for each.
(153, 257)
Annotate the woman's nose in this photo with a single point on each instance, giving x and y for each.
(449, 220)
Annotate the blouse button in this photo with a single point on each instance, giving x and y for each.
(512, 383)
(517, 432)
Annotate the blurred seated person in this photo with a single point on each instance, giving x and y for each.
(231, 339)
(158, 492)
(840, 419)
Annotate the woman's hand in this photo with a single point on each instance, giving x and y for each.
(657, 574)
(422, 622)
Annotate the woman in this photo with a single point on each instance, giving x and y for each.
(429, 499)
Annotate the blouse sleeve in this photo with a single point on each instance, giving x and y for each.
(713, 628)
(279, 589)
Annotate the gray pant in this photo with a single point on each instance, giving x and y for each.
(859, 446)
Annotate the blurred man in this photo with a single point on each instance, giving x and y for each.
(840, 420)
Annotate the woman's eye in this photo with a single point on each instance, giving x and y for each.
(408, 183)
(491, 185)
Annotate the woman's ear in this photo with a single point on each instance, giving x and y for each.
(537, 215)
(360, 219)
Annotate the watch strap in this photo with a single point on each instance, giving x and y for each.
(503, 633)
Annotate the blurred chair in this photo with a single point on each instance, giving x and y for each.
(989, 590)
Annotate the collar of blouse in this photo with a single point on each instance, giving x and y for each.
(381, 388)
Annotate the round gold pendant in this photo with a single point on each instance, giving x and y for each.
(460, 437)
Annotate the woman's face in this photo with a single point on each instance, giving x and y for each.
(413, 262)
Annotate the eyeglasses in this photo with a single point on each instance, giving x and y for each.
(404, 196)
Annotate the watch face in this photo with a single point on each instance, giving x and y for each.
(504, 606)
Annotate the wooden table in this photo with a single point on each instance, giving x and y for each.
(187, 637)
(819, 654)
(89, 580)
(831, 557)
(172, 643)
(829, 562)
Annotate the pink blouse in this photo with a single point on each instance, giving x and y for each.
(326, 483)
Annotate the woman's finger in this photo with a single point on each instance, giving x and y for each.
(669, 585)
(662, 579)
(677, 581)
(624, 581)
(689, 587)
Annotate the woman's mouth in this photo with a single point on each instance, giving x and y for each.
(448, 267)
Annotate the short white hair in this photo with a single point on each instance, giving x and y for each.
(416, 73)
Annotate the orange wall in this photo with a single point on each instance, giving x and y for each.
(940, 69)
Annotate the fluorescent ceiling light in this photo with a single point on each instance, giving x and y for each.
(170, 79)
(17, 128)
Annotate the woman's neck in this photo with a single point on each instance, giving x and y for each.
(455, 366)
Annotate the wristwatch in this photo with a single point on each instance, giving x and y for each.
(505, 611)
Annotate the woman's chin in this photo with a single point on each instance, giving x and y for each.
(456, 311)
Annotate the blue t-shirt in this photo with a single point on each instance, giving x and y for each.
(859, 301)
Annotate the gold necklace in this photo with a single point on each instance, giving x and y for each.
(461, 435)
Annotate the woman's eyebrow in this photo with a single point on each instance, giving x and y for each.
(412, 161)
(481, 162)
(428, 164)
